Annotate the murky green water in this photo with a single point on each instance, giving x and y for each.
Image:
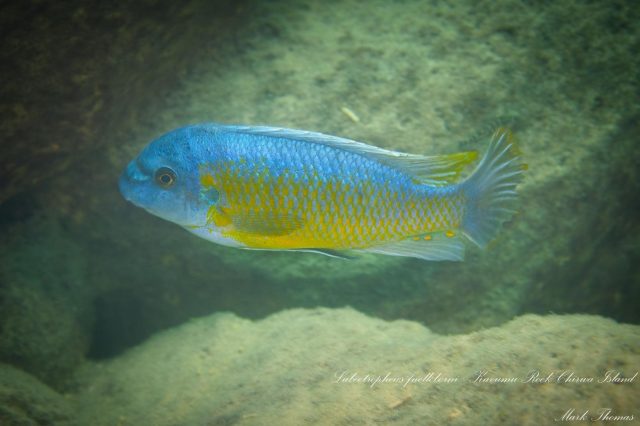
(88, 282)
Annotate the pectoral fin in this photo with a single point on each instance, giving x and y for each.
(275, 225)
(217, 216)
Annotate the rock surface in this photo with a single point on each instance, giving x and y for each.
(24, 401)
(320, 366)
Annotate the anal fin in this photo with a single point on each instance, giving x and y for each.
(437, 246)
(327, 252)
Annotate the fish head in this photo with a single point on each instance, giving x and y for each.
(163, 179)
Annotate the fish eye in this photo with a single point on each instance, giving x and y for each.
(165, 177)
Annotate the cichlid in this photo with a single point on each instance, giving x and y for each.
(281, 189)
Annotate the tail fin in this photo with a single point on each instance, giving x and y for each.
(490, 189)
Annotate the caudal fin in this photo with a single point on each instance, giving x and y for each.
(491, 189)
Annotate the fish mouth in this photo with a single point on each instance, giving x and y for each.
(131, 176)
(123, 186)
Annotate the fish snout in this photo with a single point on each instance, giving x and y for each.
(131, 175)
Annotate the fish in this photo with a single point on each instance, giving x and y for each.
(272, 188)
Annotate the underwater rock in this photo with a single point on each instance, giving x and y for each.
(342, 367)
(69, 70)
(45, 303)
(24, 401)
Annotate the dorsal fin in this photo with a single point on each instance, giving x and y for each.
(434, 170)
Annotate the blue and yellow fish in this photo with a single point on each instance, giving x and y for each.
(282, 189)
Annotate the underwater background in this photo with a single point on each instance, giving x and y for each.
(111, 316)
